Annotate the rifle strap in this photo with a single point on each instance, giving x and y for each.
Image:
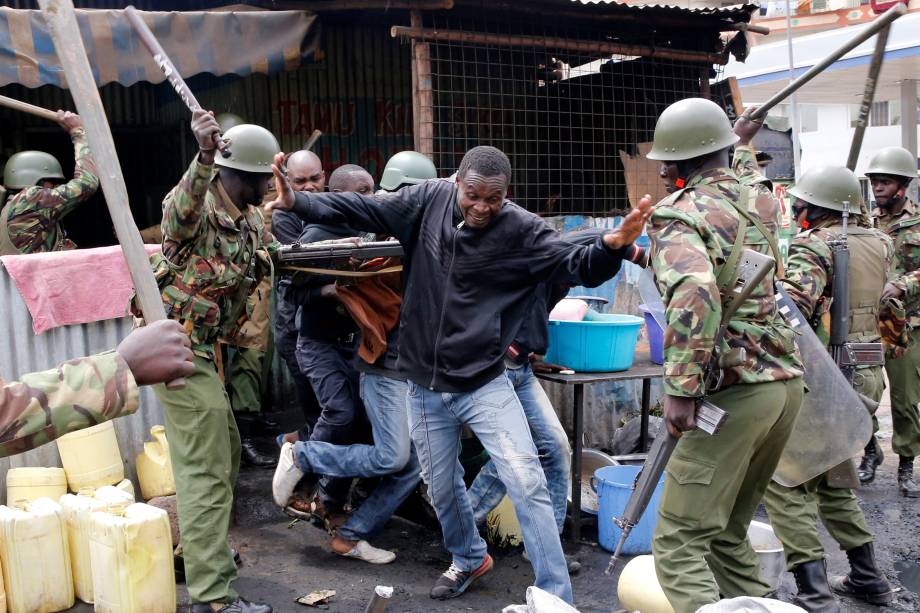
(343, 273)
(728, 276)
(750, 199)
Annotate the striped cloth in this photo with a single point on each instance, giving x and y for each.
(218, 42)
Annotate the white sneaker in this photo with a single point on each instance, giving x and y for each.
(287, 475)
(368, 553)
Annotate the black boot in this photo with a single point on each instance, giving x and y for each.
(237, 606)
(872, 459)
(909, 488)
(814, 593)
(865, 581)
(249, 455)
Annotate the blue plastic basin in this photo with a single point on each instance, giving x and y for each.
(605, 344)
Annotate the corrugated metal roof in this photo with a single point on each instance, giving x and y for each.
(735, 12)
(22, 352)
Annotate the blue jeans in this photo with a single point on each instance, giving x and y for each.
(494, 414)
(392, 455)
(385, 403)
(552, 444)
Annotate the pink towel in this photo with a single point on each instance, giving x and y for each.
(73, 287)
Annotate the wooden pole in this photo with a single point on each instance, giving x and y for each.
(598, 48)
(31, 109)
(875, 67)
(422, 94)
(865, 34)
(62, 25)
(312, 140)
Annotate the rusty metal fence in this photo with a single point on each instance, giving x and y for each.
(574, 110)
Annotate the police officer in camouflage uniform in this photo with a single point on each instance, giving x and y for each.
(31, 220)
(820, 196)
(246, 365)
(891, 170)
(713, 484)
(83, 392)
(215, 250)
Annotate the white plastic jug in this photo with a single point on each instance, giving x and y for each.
(35, 557)
(77, 511)
(154, 468)
(132, 560)
(31, 483)
(91, 457)
(114, 494)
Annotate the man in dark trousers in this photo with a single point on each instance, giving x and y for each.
(472, 259)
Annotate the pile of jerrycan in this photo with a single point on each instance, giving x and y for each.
(95, 543)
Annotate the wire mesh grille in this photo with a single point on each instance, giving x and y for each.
(574, 124)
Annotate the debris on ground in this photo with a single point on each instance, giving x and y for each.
(317, 598)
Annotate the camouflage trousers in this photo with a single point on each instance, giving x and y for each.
(904, 378)
(794, 511)
(244, 375)
(712, 487)
(204, 446)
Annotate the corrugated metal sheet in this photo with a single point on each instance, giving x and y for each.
(735, 12)
(22, 352)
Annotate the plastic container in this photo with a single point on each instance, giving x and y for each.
(77, 510)
(154, 468)
(591, 460)
(605, 345)
(638, 588)
(503, 523)
(132, 560)
(32, 483)
(614, 485)
(114, 494)
(655, 333)
(90, 457)
(569, 309)
(35, 557)
(769, 551)
(127, 487)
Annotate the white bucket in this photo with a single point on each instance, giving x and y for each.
(769, 551)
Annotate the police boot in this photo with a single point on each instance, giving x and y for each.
(814, 593)
(237, 606)
(909, 488)
(872, 459)
(865, 581)
(249, 454)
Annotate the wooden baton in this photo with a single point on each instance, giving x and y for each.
(62, 25)
(169, 69)
(312, 140)
(31, 109)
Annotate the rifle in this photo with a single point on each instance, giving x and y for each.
(311, 253)
(847, 355)
(753, 268)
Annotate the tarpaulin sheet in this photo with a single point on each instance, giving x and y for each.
(218, 42)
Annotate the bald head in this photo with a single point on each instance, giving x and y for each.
(305, 172)
(351, 178)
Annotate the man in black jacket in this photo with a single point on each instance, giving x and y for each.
(471, 262)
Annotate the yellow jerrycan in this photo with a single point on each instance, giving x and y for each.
(78, 510)
(132, 560)
(503, 524)
(91, 457)
(35, 557)
(638, 588)
(31, 483)
(154, 468)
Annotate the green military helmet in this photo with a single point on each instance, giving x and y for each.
(829, 187)
(27, 168)
(405, 167)
(690, 128)
(229, 120)
(895, 161)
(252, 149)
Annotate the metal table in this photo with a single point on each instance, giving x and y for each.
(643, 369)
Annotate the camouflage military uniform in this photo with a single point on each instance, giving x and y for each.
(31, 220)
(77, 394)
(713, 484)
(213, 255)
(903, 365)
(810, 269)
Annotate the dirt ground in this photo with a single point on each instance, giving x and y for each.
(282, 562)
